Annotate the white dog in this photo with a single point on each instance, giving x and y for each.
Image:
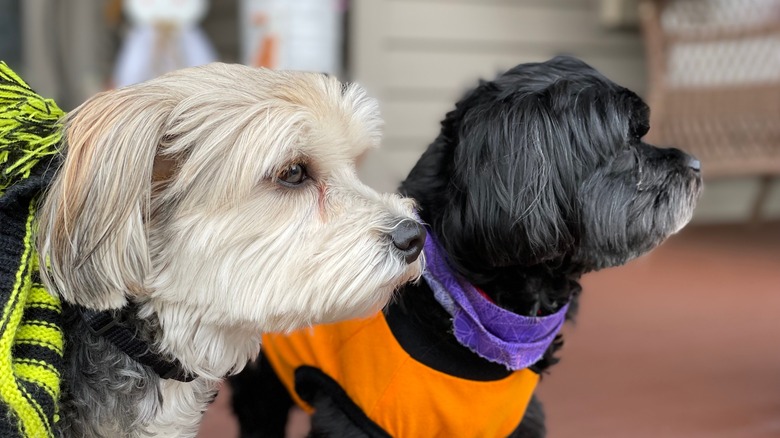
(207, 206)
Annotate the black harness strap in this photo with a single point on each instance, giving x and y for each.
(106, 325)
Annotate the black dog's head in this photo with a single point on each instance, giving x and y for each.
(544, 169)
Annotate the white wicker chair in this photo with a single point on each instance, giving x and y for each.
(715, 83)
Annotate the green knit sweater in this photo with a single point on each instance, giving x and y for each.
(31, 338)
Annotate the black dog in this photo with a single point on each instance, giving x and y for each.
(536, 178)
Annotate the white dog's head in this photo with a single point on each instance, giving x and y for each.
(229, 194)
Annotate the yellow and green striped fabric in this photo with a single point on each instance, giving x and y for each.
(31, 338)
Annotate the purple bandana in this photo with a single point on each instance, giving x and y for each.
(493, 333)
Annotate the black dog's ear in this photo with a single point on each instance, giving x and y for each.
(639, 122)
(495, 184)
(513, 180)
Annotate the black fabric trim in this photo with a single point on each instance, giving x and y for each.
(310, 381)
(15, 204)
(14, 214)
(42, 316)
(36, 354)
(429, 339)
(107, 325)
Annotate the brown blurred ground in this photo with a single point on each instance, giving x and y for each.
(684, 342)
(681, 343)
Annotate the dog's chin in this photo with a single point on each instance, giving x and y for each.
(654, 215)
(228, 328)
(370, 298)
(345, 295)
(689, 197)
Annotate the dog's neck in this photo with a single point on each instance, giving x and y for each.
(497, 334)
(136, 402)
(525, 290)
(210, 350)
(113, 326)
(531, 290)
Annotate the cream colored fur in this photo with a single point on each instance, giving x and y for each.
(169, 196)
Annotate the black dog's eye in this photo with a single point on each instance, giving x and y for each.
(639, 130)
(293, 175)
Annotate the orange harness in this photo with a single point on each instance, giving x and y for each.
(398, 393)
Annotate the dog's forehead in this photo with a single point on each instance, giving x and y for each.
(343, 121)
(272, 118)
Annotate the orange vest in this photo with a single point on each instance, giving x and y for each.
(401, 395)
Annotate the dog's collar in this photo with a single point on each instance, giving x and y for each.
(488, 330)
(108, 325)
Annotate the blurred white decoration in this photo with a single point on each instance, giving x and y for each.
(164, 36)
(292, 35)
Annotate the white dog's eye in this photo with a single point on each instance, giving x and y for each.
(294, 175)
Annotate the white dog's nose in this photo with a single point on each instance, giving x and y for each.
(409, 238)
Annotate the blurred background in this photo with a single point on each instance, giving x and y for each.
(680, 343)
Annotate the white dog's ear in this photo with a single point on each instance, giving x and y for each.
(92, 229)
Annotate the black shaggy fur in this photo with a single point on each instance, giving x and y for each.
(536, 178)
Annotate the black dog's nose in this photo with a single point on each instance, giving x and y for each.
(409, 237)
(694, 164)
